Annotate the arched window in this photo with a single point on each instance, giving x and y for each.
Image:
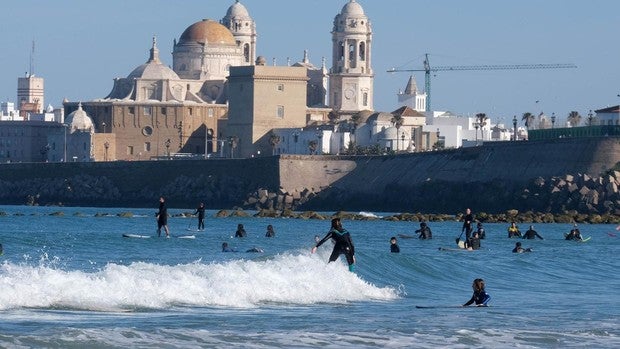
(246, 52)
(362, 51)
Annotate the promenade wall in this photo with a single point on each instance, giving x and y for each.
(492, 177)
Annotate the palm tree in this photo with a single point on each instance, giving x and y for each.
(397, 121)
(233, 141)
(574, 118)
(528, 119)
(481, 121)
(274, 140)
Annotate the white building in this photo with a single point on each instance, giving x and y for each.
(458, 131)
(608, 116)
(411, 97)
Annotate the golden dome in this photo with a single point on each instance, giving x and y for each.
(207, 32)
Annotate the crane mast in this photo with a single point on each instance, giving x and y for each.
(428, 69)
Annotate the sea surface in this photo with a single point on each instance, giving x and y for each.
(73, 281)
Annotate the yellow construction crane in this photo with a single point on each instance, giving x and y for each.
(428, 69)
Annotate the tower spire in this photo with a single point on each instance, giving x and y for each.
(154, 51)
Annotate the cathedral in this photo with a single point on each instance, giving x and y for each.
(218, 98)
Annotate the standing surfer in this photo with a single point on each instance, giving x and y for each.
(343, 245)
(162, 217)
(468, 219)
(201, 216)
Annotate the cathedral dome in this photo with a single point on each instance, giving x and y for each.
(207, 31)
(153, 69)
(237, 10)
(352, 8)
(79, 120)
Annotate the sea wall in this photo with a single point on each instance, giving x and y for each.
(494, 177)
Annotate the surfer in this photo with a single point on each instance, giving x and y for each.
(200, 211)
(481, 232)
(473, 243)
(513, 231)
(240, 233)
(270, 232)
(574, 234)
(531, 234)
(480, 296)
(393, 245)
(519, 249)
(162, 218)
(343, 245)
(468, 219)
(424, 231)
(226, 248)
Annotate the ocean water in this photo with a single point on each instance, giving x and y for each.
(73, 281)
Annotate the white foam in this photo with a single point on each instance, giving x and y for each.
(285, 279)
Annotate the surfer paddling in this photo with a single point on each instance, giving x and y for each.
(343, 245)
(480, 296)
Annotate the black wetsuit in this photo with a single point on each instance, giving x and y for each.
(162, 215)
(425, 233)
(240, 233)
(474, 243)
(481, 233)
(343, 245)
(467, 220)
(531, 234)
(201, 217)
(479, 297)
(270, 233)
(394, 248)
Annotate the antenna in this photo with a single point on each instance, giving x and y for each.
(32, 59)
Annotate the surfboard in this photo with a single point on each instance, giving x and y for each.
(453, 249)
(404, 236)
(437, 306)
(586, 239)
(187, 236)
(136, 236)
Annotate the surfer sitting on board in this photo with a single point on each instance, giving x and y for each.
(343, 245)
(240, 233)
(519, 249)
(574, 234)
(480, 296)
(424, 231)
(513, 231)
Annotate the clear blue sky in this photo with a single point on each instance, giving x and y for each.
(82, 45)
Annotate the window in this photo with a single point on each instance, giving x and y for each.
(147, 146)
(147, 110)
(132, 110)
(280, 87)
(210, 112)
(365, 98)
(190, 111)
(163, 110)
(280, 111)
(129, 150)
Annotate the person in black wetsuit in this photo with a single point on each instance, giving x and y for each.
(162, 217)
(519, 249)
(270, 232)
(240, 233)
(480, 296)
(481, 232)
(393, 245)
(574, 234)
(473, 243)
(343, 245)
(531, 234)
(424, 231)
(201, 216)
(468, 219)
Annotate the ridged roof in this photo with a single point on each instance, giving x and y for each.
(207, 31)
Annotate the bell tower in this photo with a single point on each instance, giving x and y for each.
(351, 75)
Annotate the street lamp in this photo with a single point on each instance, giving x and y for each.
(514, 124)
(64, 157)
(103, 125)
(590, 116)
(402, 137)
(552, 120)
(295, 138)
(168, 147)
(106, 145)
(319, 135)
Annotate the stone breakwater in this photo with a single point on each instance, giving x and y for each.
(560, 177)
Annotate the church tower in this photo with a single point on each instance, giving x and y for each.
(351, 77)
(243, 28)
(412, 98)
